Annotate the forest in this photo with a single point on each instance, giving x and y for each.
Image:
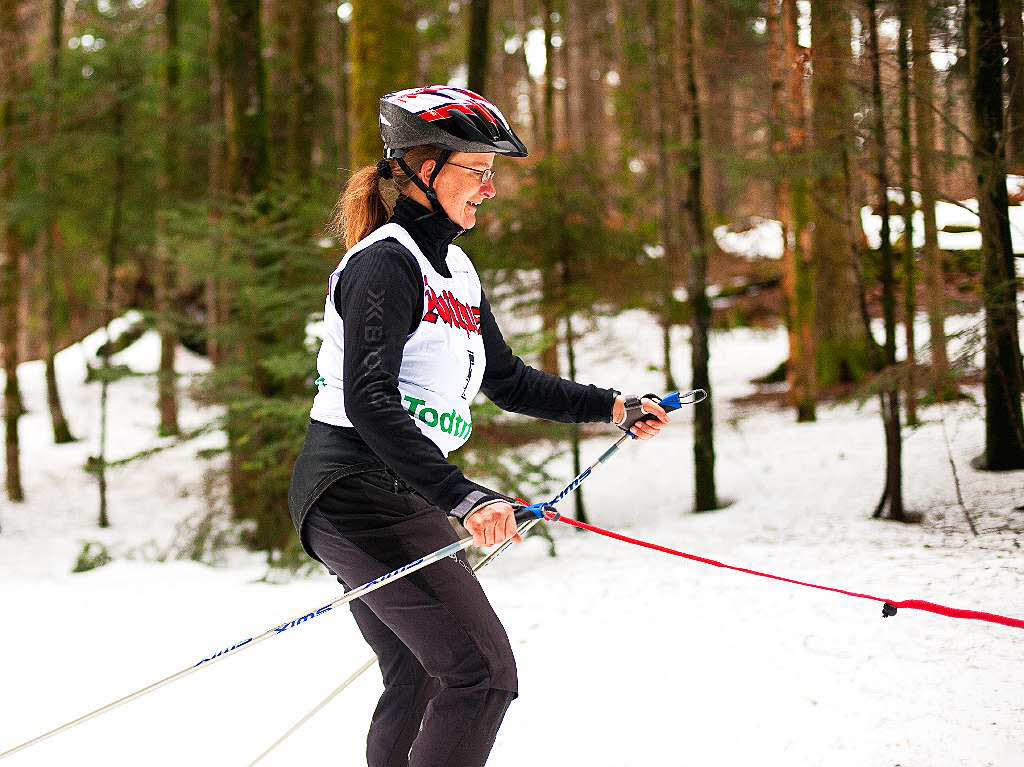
(836, 168)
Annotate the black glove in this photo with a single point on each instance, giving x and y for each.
(634, 411)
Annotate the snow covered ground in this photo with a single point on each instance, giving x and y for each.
(627, 657)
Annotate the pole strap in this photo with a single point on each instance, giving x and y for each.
(889, 605)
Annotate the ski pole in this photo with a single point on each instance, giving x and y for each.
(522, 528)
(348, 596)
(537, 511)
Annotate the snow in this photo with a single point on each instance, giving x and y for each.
(763, 239)
(948, 215)
(626, 657)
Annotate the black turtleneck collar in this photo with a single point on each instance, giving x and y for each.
(433, 232)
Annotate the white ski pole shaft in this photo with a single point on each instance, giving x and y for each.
(348, 596)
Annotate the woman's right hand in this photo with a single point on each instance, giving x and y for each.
(492, 524)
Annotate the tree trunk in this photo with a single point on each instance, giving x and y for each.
(705, 494)
(663, 102)
(924, 101)
(303, 96)
(215, 211)
(841, 345)
(113, 254)
(248, 166)
(479, 44)
(547, 9)
(550, 281)
(50, 230)
(1004, 431)
(12, 56)
(277, 30)
(164, 279)
(342, 134)
(906, 179)
(788, 146)
(383, 61)
(888, 385)
(1013, 33)
(522, 26)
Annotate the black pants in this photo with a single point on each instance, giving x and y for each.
(448, 670)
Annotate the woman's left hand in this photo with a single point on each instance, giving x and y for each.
(642, 429)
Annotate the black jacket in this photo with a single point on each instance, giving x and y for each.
(384, 434)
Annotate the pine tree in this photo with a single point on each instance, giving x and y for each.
(888, 386)
(842, 349)
(12, 58)
(924, 125)
(49, 186)
(1004, 429)
(164, 267)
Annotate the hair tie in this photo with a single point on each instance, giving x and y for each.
(384, 169)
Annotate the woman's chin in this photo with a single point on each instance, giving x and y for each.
(468, 217)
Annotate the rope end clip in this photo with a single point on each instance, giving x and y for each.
(543, 511)
(888, 610)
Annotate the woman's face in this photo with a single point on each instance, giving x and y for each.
(459, 189)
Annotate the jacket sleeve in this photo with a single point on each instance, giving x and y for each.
(381, 302)
(513, 385)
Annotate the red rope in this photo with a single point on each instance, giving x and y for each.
(910, 604)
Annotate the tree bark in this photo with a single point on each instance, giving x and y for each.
(705, 494)
(924, 102)
(1013, 34)
(907, 182)
(50, 230)
(165, 277)
(342, 133)
(788, 146)
(113, 255)
(303, 97)
(383, 61)
(479, 45)
(888, 385)
(12, 56)
(842, 348)
(215, 210)
(1004, 431)
(248, 166)
(669, 206)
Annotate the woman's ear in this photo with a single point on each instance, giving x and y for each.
(425, 170)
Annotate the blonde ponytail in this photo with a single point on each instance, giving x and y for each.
(363, 207)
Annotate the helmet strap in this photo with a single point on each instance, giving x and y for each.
(428, 189)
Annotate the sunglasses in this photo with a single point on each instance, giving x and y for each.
(487, 174)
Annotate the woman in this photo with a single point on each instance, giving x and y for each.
(409, 340)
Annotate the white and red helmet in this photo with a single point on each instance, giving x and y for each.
(455, 119)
